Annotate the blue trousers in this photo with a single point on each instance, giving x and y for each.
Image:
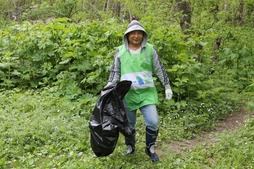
(150, 115)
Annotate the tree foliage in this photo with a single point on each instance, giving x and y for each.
(181, 11)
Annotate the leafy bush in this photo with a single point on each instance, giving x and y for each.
(58, 53)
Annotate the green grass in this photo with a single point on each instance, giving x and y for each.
(40, 129)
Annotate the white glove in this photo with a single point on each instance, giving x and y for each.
(168, 92)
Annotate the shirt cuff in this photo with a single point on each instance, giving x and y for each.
(167, 86)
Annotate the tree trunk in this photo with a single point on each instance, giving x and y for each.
(239, 19)
(106, 5)
(117, 9)
(216, 48)
(17, 12)
(185, 17)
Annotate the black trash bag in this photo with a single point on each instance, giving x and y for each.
(108, 119)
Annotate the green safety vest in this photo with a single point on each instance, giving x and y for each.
(138, 68)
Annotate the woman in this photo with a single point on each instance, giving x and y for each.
(137, 60)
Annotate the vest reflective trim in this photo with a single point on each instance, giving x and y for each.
(140, 80)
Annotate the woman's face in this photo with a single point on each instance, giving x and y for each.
(135, 38)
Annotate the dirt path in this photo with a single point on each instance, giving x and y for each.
(231, 123)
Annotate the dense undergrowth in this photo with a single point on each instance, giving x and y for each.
(39, 129)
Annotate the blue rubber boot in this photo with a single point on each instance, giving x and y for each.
(151, 137)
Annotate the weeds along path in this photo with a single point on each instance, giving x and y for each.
(231, 123)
